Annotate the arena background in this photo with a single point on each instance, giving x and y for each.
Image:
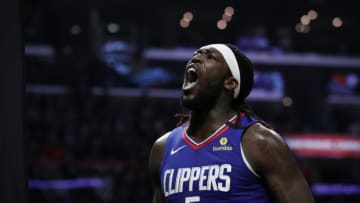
(102, 82)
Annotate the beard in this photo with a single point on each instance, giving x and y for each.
(205, 99)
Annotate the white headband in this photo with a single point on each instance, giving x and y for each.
(230, 60)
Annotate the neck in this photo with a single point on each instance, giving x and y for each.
(202, 124)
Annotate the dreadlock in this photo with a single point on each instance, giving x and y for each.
(247, 82)
(182, 118)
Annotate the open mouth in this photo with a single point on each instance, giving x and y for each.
(191, 78)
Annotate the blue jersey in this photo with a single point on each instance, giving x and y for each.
(214, 170)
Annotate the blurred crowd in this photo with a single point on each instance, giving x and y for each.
(72, 137)
(74, 134)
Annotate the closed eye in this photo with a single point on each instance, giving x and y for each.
(210, 55)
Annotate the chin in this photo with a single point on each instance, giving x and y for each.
(187, 101)
(196, 103)
(190, 102)
(202, 99)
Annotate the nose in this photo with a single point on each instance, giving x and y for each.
(196, 58)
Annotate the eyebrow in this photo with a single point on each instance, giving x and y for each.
(211, 51)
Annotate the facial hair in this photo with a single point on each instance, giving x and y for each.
(206, 98)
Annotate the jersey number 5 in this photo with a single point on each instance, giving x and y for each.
(192, 199)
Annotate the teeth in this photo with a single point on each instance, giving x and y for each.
(191, 69)
(191, 78)
(189, 85)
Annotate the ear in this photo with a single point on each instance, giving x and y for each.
(230, 83)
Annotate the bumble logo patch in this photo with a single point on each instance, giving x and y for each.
(223, 141)
(223, 145)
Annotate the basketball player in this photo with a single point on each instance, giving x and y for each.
(223, 153)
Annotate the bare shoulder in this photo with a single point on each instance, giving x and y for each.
(156, 153)
(155, 159)
(159, 144)
(264, 136)
(270, 157)
(263, 147)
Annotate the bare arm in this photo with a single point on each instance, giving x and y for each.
(270, 157)
(155, 159)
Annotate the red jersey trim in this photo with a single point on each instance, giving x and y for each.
(208, 140)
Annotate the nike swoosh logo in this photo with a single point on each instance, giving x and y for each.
(176, 150)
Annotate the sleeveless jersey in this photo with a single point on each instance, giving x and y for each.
(213, 171)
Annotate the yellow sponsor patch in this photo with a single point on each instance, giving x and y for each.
(223, 147)
(223, 141)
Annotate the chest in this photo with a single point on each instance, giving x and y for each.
(216, 167)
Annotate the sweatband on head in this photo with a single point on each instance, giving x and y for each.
(230, 60)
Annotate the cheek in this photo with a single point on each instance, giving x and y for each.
(215, 80)
(215, 72)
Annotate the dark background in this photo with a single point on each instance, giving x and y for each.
(88, 115)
